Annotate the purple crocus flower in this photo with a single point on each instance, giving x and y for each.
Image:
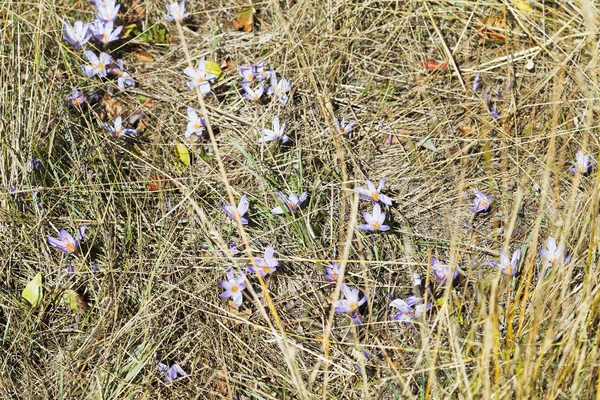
(78, 34)
(345, 128)
(36, 164)
(374, 193)
(553, 253)
(267, 265)
(507, 266)
(70, 270)
(375, 221)
(332, 272)
(117, 128)
(278, 133)
(195, 125)
(443, 272)
(105, 32)
(251, 94)
(416, 280)
(98, 64)
(77, 98)
(170, 373)
(279, 88)
(254, 72)
(176, 12)
(234, 285)
(107, 11)
(65, 241)
(386, 129)
(233, 249)
(290, 204)
(494, 113)
(477, 82)
(481, 202)
(350, 304)
(237, 213)
(199, 77)
(405, 309)
(123, 78)
(582, 163)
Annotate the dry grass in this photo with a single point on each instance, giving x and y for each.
(156, 294)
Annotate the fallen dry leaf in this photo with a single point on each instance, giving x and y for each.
(112, 107)
(244, 20)
(242, 315)
(143, 56)
(222, 381)
(227, 65)
(433, 65)
(493, 30)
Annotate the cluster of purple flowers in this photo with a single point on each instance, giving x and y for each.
(253, 82)
(375, 220)
(486, 95)
(103, 30)
(235, 285)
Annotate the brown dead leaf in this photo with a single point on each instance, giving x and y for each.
(244, 20)
(143, 56)
(243, 315)
(222, 381)
(493, 29)
(226, 65)
(395, 137)
(465, 130)
(148, 103)
(112, 107)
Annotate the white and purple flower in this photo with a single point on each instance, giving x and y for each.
(375, 221)
(107, 11)
(582, 163)
(98, 64)
(279, 88)
(345, 128)
(252, 73)
(507, 266)
(237, 213)
(290, 204)
(65, 242)
(553, 253)
(481, 202)
(123, 78)
(267, 265)
(332, 272)
(252, 94)
(105, 32)
(78, 34)
(117, 128)
(176, 12)
(277, 133)
(76, 99)
(350, 304)
(195, 124)
(374, 193)
(234, 286)
(443, 273)
(170, 373)
(199, 77)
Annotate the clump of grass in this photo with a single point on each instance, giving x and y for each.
(157, 244)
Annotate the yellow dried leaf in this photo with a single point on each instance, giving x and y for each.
(182, 154)
(33, 292)
(521, 5)
(212, 68)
